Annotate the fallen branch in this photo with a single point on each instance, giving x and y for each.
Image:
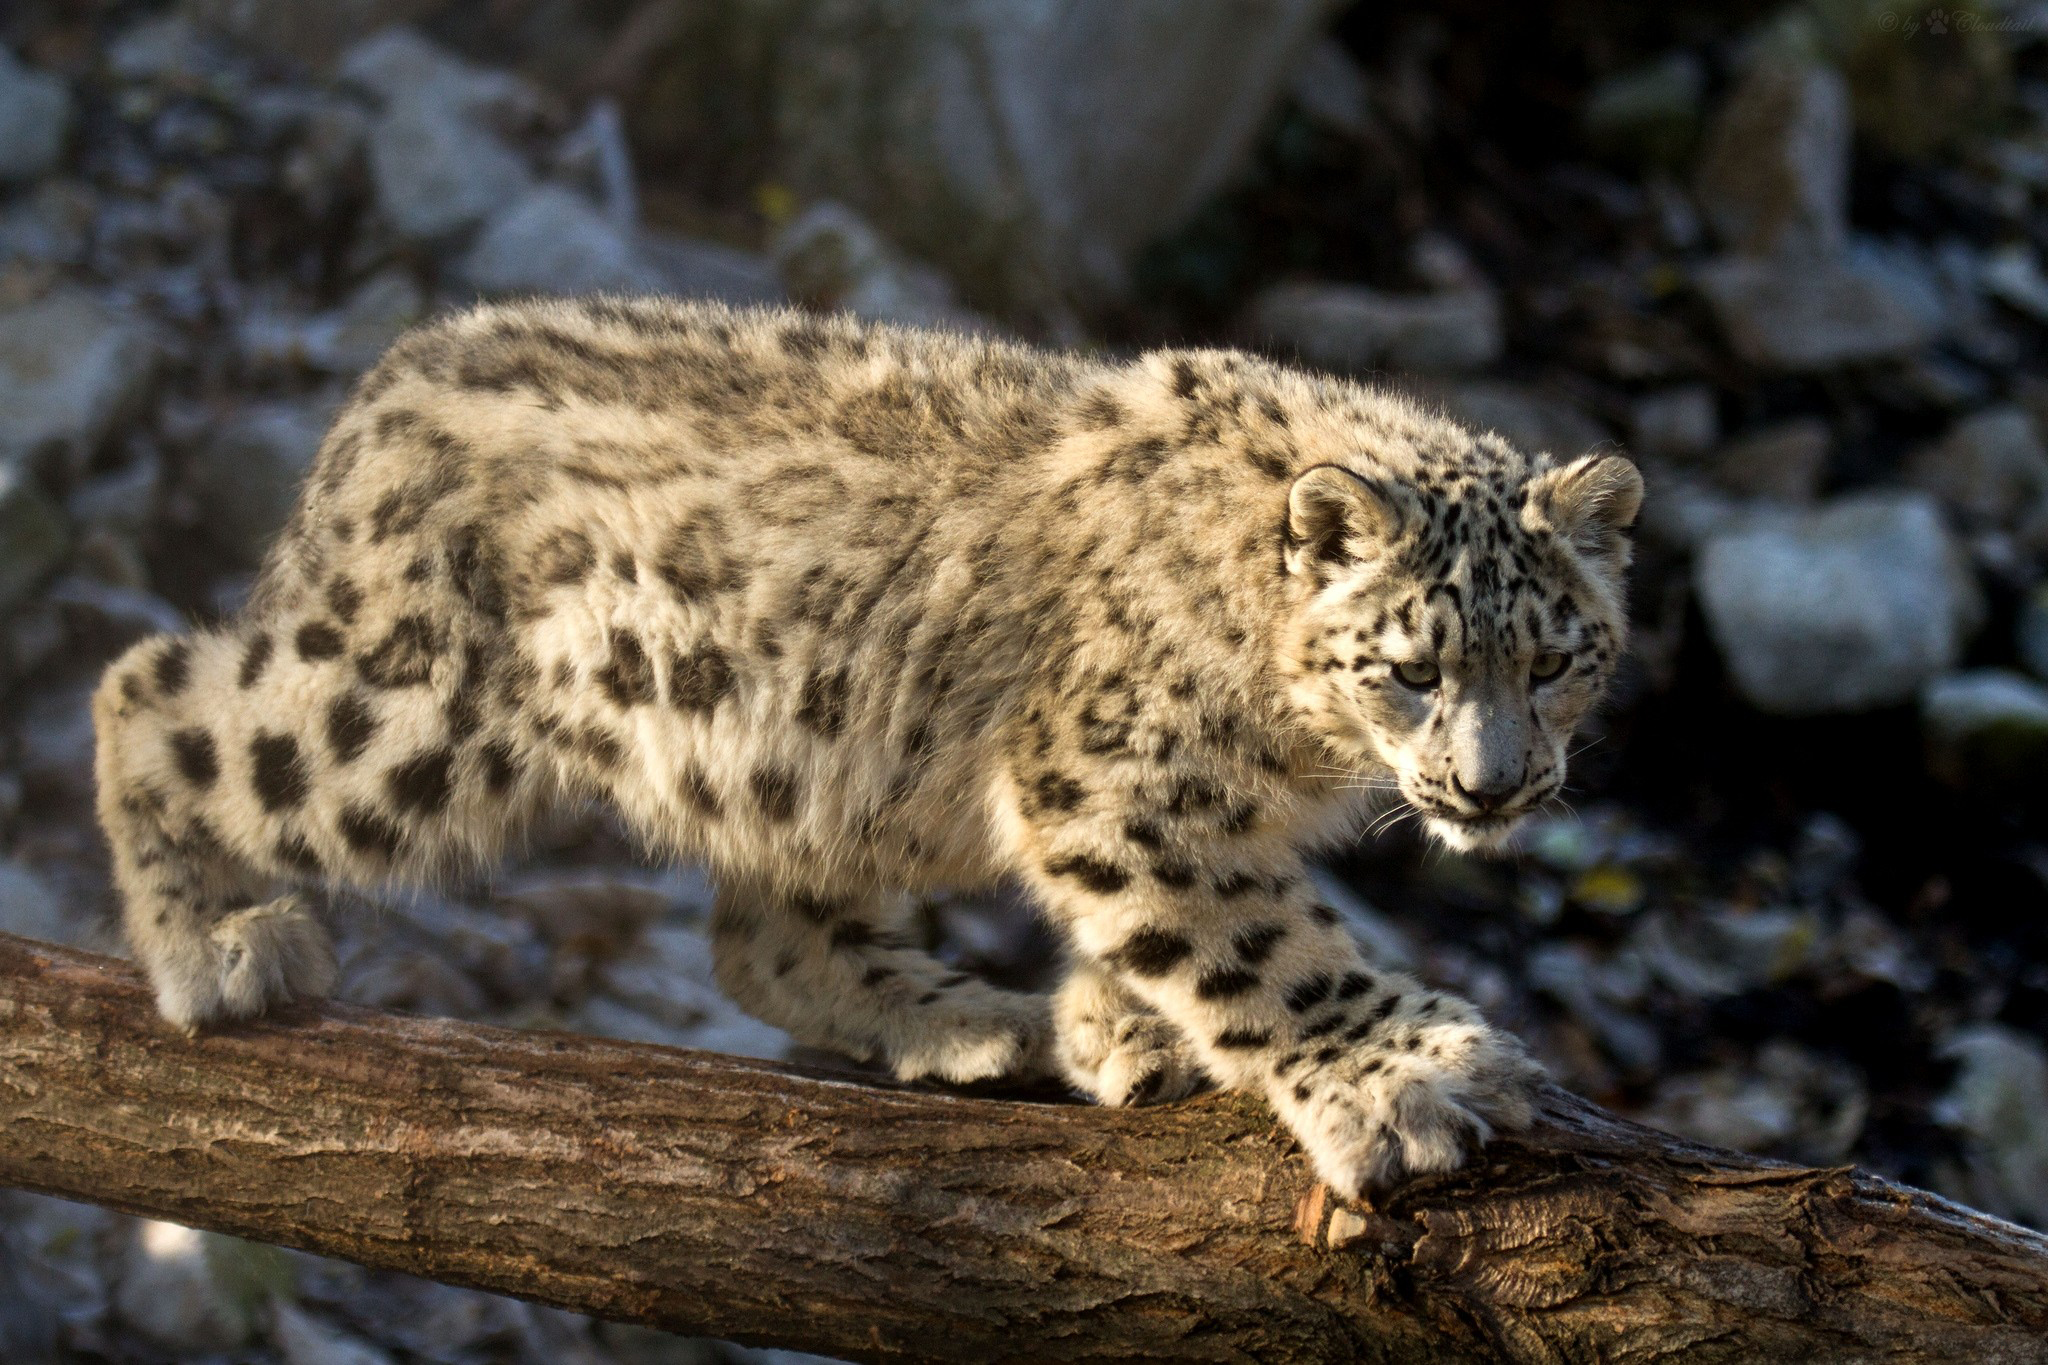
(729, 1198)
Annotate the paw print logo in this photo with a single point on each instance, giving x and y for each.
(1937, 22)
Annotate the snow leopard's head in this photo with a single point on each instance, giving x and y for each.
(1456, 621)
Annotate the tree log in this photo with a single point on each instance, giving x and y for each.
(767, 1204)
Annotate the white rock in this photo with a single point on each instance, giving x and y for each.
(1986, 728)
(438, 170)
(1354, 328)
(35, 119)
(1774, 175)
(71, 368)
(33, 535)
(2012, 274)
(552, 240)
(2000, 1102)
(1853, 605)
(1819, 313)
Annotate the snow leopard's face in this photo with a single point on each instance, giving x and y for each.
(1456, 629)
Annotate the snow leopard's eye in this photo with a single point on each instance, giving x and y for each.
(1418, 674)
(1548, 665)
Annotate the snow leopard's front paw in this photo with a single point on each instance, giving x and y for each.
(1413, 1099)
(974, 1033)
(1136, 1059)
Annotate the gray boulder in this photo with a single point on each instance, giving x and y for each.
(35, 119)
(247, 474)
(1999, 1103)
(33, 536)
(691, 268)
(2033, 632)
(1354, 328)
(552, 240)
(1849, 606)
(1532, 418)
(1679, 422)
(1030, 150)
(397, 64)
(832, 258)
(1990, 470)
(437, 170)
(1986, 729)
(71, 369)
(1785, 462)
(1799, 313)
(1774, 174)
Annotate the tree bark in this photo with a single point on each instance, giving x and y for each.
(767, 1204)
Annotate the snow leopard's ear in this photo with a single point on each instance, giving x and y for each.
(1336, 518)
(1589, 502)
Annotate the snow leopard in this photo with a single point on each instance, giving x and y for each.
(849, 613)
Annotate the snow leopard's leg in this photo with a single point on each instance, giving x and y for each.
(1177, 882)
(236, 765)
(1114, 1047)
(841, 972)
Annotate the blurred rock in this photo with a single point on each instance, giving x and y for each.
(2012, 274)
(35, 119)
(1987, 730)
(1990, 470)
(691, 268)
(1531, 418)
(53, 741)
(2000, 1103)
(122, 500)
(247, 475)
(1568, 973)
(1794, 1103)
(60, 1260)
(437, 167)
(1352, 328)
(1678, 422)
(1852, 605)
(101, 619)
(1774, 174)
(2032, 632)
(71, 368)
(398, 64)
(311, 32)
(1030, 152)
(552, 240)
(1720, 950)
(31, 907)
(830, 258)
(635, 1345)
(1648, 116)
(1331, 89)
(351, 338)
(33, 535)
(1816, 314)
(194, 1292)
(1786, 462)
(305, 1340)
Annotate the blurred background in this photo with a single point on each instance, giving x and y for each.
(1789, 257)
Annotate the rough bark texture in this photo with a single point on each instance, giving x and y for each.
(731, 1198)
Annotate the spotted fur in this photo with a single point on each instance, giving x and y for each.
(849, 611)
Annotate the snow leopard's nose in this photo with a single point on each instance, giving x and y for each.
(1488, 798)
